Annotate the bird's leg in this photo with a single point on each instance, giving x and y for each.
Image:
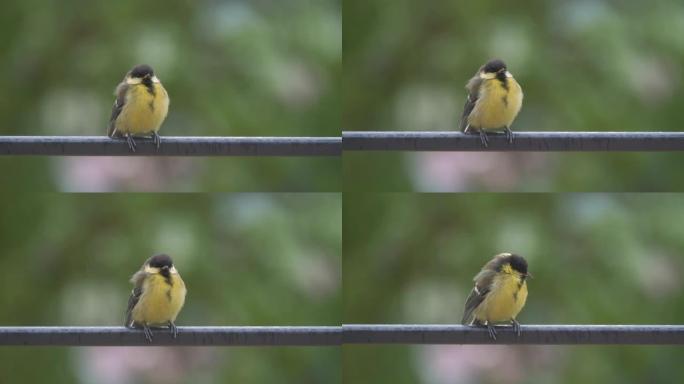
(148, 332)
(156, 139)
(509, 134)
(130, 141)
(174, 329)
(516, 327)
(483, 138)
(491, 330)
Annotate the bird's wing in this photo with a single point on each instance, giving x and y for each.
(483, 283)
(117, 107)
(137, 291)
(473, 88)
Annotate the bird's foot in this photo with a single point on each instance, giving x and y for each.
(174, 329)
(492, 331)
(156, 139)
(484, 139)
(516, 327)
(148, 332)
(130, 141)
(509, 134)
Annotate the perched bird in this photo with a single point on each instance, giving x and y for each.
(140, 107)
(494, 100)
(499, 294)
(158, 296)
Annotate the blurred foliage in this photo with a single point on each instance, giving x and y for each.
(583, 65)
(596, 259)
(247, 259)
(232, 68)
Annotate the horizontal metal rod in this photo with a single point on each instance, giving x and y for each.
(531, 334)
(188, 336)
(171, 146)
(346, 334)
(522, 141)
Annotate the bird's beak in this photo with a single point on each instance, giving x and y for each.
(528, 275)
(502, 70)
(165, 267)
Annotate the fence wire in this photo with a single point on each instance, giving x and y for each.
(188, 336)
(171, 146)
(522, 141)
(346, 334)
(531, 334)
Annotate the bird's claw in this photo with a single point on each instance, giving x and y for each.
(509, 134)
(483, 138)
(148, 332)
(174, 329)
(516, 327)
(492, 331)
(131, 142)
(156, 139)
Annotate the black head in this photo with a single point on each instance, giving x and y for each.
(142, 71)
(494, 66)
(518, 263)
(160, 261)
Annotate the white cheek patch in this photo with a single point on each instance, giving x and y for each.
(508, 74)
(133, 81)
(149, 269)
(155, 79)
(487, 76)
(173, 270)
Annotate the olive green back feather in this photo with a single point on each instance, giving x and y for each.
(473, 88)
(483, 283)
(117, 107)
(137, 280)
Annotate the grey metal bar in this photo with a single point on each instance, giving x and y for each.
(188, 336)
(522, 141)
(171, 146)
(347, 334)
(531, 334)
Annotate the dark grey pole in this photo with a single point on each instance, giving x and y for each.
(522, 141)
(197, 336)
(531, 334)
(171, 146)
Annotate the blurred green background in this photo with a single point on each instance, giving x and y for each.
(596, 259)
(247, 259)
(583, 65)
(232, 68)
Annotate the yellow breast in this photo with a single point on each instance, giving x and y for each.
(143, 112)
(496, 106)
(504, 301)
(160, 301)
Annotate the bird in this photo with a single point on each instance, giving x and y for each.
(140, 107)
(499, 293)
(157, 297)
(494, 100)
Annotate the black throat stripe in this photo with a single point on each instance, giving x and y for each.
(501, 76)
(147, 82)
(515, 294)
(167, 276)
